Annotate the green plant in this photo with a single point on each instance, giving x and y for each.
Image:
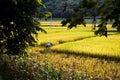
(28, 68)
(18, 24)
(15, 67)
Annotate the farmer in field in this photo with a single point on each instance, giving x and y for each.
(49, 44)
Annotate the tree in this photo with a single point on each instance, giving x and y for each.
(57, 7)
(111, 11)
(18, 24)
(108, 10)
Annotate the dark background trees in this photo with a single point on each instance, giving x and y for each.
(57, 7)
(17, 24)
(109, 10)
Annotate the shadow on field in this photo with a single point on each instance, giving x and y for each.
(81, 54)
(112, 31)
(84, 54)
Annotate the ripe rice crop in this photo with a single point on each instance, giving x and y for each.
(100, 46)
(70, 48)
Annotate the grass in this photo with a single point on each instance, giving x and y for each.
(100, 46)
(55, 35)
(76, 41)
(95, 67)
(50, 23)
(60, 62)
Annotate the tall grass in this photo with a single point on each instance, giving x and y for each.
(97, 67)
(55, 35)
(94, 66)
(59, 33)
(30, 68)
(50, 65)
(100, 46)
(55, 66)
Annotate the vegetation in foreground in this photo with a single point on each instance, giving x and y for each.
(33, 68)
(17, 24)
(55, 66)
(44, 64)
(97, 67)
(17, 29)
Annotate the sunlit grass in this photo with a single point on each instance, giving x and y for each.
(51, 23)
(101, 46)
(95, 67)
(75, 41)
(55, 35)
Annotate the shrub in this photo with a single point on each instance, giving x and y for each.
(17, 68)
(27, 68)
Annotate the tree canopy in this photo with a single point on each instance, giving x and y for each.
(108, 10)
(18, 24)
(57, 7)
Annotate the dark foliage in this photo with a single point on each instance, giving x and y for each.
(109, 10)
(60, 8)
(17, 24)
(85, 8)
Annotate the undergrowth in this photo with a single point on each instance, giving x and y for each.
(29, 68)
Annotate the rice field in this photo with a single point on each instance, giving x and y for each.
(55, 35)
(97, 46)
(94, 67)
(80, 50)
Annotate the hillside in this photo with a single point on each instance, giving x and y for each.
(57, 7)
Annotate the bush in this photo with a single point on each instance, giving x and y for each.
(27, 68)
(17, 68)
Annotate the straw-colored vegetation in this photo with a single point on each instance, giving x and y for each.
(80, 50)
(100, 46)
(76, 54)
(55, 35)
